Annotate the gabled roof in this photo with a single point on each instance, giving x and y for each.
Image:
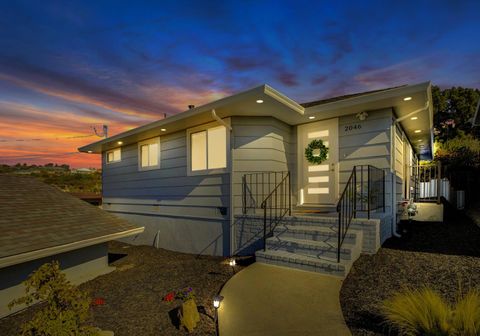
(275, 104)
(338, 98)
(38, 220)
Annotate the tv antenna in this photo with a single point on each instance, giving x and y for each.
(103, 133)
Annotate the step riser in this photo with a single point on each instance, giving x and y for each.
(329, 270)
(320, 236)
(310, 251)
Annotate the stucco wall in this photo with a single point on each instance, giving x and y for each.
(80, 265)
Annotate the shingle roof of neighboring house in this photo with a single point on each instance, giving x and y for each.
(334, 99)
(38, 220)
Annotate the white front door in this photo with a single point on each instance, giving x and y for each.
(317, 182)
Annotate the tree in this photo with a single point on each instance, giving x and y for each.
(453, 110)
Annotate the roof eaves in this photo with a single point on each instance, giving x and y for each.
(53, 250)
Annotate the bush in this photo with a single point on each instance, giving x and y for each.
(423, 312)
(66, 307)
(418, 312)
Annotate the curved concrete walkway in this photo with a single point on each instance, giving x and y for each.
(271, 300)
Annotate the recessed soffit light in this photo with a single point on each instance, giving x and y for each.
(413, 118)
(120, 142)
(311, 117)
(418, 131)
(407, 98)
(163, 129)
(90, 152)
(259, 101)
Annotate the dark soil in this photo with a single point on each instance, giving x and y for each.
(133, 292)
(444, 256)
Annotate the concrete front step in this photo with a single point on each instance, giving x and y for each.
(318, 249)
(316, 233)
(307, 263)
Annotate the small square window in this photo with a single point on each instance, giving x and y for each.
(114, 155)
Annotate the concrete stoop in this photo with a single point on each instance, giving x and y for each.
(310, 243)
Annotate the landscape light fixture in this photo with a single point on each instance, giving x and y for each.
(232, 262)
(407, 98)
(216, 301)
(311, 117)
(259, 101)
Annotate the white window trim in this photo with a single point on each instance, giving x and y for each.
(214, 171)
(139, 151)
(111, 151)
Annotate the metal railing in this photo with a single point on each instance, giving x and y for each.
(427, 182)
(270, 193)
(364, 192)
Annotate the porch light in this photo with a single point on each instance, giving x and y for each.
(163, 129)
(311, 117)
(418, 131)
(216, 301)
(407, 98)
(413, 118)
(259, 101)
(120, 142)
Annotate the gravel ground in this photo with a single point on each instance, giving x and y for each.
(439, 255)
(134, 291)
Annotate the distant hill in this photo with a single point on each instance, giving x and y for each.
(79, 180)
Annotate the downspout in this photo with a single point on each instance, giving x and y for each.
(232, 218)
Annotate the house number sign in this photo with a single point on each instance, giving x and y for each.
(349, 128)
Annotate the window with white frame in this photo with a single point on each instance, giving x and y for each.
(114, 155)
(149, 154)
(208, 149)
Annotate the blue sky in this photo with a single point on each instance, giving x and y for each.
(65, 66)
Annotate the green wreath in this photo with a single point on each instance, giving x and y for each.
(321, 156)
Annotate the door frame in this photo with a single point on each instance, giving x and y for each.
(301, 166)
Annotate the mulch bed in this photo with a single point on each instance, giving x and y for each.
(133, 292)
(438, 255)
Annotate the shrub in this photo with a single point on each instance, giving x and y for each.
(418, 312)
(66, 307)
(423, 312)
(466, 315)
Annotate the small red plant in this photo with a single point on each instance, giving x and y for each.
(98, 302)
(169, 297)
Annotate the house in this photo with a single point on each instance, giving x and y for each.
(205, 181)
(40, 223)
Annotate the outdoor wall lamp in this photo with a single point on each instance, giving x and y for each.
(216, 301)
(362, 115)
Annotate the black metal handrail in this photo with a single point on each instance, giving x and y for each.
(275, 206)
(256, 187)
(364, 192)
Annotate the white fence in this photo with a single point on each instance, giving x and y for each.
(428, 190)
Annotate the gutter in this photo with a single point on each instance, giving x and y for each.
(49, 251)
(394, 178)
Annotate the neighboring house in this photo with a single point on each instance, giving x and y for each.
(40, 223)
(192, 179)
(83, 170)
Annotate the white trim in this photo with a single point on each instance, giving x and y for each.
(150, 141)
(201, 128)
(49, 251)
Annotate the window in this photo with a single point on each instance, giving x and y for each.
(208, 149)
(149, 154)
(114, 155)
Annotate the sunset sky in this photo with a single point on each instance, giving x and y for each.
(67, 66)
